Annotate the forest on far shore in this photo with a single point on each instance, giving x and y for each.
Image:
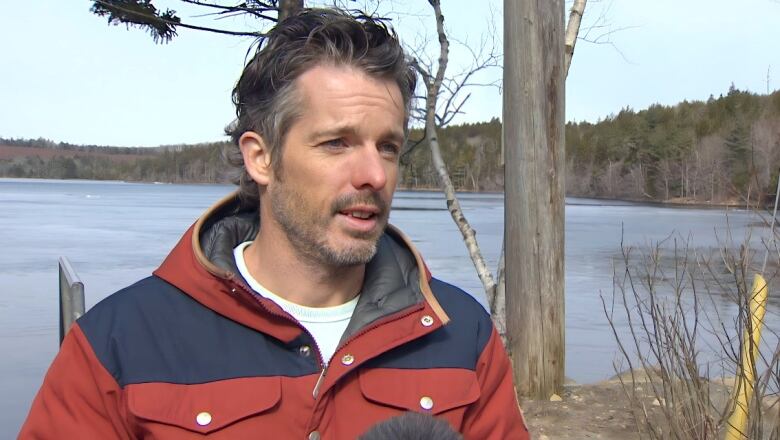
(723, 150)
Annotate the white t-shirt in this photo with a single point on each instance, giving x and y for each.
(326, 324)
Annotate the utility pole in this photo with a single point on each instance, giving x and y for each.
(288, 8)
(533, 135)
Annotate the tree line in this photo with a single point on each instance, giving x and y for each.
(199, 163)
(726, 149)
(721, 150)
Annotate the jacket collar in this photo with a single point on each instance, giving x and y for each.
(202, 265)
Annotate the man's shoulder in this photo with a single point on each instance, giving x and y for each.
(119, 326)
(151, 294)
(455, 345)
(153, 332)
(469, 320)
(140, 311)
(456, 301)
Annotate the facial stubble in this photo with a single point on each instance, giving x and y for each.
(307, 229)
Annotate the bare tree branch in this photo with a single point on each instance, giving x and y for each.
(605, 31)
(409, 147)
(258, 9)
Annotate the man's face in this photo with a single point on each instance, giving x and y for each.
(339, 167)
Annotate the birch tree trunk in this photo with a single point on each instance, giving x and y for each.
(433, 85)
(572, 29)
(534, 118)
(498, 309)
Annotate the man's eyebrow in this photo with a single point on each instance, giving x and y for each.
(334, 131)
(397, 136)
(349, 130)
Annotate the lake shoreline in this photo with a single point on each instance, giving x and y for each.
(673, 203)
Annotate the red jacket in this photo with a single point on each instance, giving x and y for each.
(192, 350)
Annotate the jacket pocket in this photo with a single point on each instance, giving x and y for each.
(202, 408)
(432, 391)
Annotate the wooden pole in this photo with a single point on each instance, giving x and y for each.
(534, 78)
(288, 8)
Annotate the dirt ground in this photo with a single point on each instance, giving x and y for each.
(596, 411)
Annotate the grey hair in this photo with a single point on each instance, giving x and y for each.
(266, 97)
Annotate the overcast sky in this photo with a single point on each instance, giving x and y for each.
(67, 76)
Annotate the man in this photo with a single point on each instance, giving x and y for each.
(291, 310)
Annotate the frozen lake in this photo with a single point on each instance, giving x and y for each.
(116, 233)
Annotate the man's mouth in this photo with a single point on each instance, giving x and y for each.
(360, 214)
(361, 219)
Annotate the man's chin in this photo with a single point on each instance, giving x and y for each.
(354, 251)
(351, 257)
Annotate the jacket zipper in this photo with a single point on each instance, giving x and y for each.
(316, 391)
(362, 331)
(323, 365)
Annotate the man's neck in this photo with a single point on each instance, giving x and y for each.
(279, 268)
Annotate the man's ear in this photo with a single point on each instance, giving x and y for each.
(257, 157)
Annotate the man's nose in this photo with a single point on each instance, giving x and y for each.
(369, 170)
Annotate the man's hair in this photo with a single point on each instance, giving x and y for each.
(412, 426)
(265, 96)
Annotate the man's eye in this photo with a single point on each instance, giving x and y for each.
(334, 143)
(390, 149)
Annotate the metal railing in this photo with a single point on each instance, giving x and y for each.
(71, 296)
